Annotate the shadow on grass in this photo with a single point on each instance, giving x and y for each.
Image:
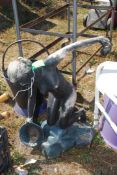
(97, 160)
(81, 101)
(35, 4)
(25, 15)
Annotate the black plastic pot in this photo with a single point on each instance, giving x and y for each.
(22, 97)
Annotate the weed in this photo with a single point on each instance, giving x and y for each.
(98, 140)
(17, 158)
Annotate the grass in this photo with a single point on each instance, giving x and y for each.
(98, 140)
(97, 160)
(17, 158)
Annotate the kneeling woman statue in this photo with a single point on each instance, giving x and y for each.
(45, 76)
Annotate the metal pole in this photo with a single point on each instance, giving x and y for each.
(74, 40)
(68, 15)
(14, 4)
(112, 20)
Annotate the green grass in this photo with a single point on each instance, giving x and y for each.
(98, 140)
(17, 158)
(97, 160)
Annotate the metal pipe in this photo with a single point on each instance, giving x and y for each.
(74, 40)
(112, 21)
(36, 21)
(88, 60)
(41, 32)
(47, 47)
(15, 11)
(68, 15)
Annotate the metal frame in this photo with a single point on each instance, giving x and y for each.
(70, 35)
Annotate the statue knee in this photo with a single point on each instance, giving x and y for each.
(63, 123)
(51, 122)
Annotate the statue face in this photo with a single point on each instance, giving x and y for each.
(26, 79)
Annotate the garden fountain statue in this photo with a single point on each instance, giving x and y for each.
(45, 76)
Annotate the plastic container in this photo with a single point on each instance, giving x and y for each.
(108, 134)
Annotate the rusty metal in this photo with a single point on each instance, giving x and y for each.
(86, 53)
(47, 47)
(78, 34)
(88, 35)
(65, 72)
(68, 34)
(67, 64)
(88, 60)
(42, 18)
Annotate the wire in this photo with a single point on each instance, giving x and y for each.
(29, 88)
(20, 41)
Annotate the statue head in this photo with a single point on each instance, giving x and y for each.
(20, 70)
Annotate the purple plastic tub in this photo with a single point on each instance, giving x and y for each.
(109, 136)
(38, 111)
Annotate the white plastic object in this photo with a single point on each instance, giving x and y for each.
(106, 77)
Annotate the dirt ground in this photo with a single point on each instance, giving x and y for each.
(95, 160)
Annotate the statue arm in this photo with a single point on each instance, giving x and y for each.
(57, 56)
